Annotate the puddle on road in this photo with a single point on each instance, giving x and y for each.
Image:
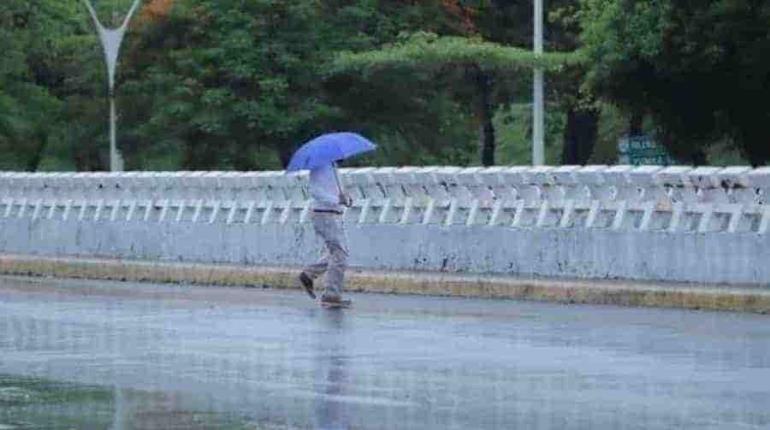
(397, 362)
(31, 403)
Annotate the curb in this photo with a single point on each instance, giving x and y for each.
(753, 299)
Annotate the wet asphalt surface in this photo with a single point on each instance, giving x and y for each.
(211, 357)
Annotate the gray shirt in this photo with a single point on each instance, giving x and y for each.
(325, 188)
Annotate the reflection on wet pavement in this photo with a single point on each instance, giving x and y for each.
(80, 354)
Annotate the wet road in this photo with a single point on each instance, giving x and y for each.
(207, 357)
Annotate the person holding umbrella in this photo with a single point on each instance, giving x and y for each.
(329, 201)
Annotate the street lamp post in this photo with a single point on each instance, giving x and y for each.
(538, 109)
(111, 39)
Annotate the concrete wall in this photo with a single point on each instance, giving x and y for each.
(645, 223)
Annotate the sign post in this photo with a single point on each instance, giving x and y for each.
(538, 106)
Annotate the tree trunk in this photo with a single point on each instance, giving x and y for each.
(684, 154)
(244, 160)
(201, 152)
(699, 157)
(487, 129)
(635, 124)
(579, 136)
(33, 162)
(88, 159)
(285, 151)
(755, 146)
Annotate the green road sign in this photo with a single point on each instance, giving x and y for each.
(642, 150)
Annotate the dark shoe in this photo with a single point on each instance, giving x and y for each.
(307, 284)
(334, 302)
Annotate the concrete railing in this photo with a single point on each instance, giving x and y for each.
(645, 198)
(677, 206)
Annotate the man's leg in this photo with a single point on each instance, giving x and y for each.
(311, 272)
(335, 275)
(330, 228)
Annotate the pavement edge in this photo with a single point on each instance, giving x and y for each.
(754, 299)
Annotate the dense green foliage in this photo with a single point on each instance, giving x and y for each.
(33, 70)
(700, 69)
(483, 63)
(226, 84)
(428, 50)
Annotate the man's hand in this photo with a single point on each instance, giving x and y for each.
(346, 200)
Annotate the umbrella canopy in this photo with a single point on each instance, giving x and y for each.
(327, 149)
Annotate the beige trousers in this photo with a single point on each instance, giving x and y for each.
(334, 258)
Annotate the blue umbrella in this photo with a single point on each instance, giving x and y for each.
(327, 149)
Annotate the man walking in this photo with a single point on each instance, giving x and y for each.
(327, 208)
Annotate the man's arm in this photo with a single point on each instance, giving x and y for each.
(344, 198)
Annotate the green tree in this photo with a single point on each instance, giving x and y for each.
(477, 64)
(220, 79)
(700, 69)
(572, 115)
(33, 36)
(409, 112)
(223, 84)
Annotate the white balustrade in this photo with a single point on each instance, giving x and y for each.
(646, 198)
